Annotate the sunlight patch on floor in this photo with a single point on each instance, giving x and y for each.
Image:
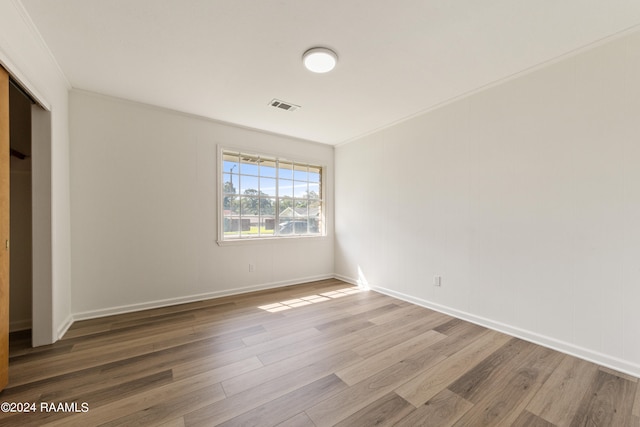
(311, 299)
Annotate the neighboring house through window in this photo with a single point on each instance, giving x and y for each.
(267, 197)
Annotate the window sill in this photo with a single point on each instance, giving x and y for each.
(265, 240)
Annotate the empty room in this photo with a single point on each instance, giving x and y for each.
(319, 213)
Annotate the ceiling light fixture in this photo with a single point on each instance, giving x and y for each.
(320, 59)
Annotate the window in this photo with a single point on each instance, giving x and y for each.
(268, 197)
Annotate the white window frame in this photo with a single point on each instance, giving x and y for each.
(222, 150)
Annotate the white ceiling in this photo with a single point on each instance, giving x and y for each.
(227, 59)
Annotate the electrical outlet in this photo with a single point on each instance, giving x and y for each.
(437, 280)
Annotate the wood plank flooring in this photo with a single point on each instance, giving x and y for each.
(317, 354)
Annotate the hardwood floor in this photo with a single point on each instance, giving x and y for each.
(318, 354)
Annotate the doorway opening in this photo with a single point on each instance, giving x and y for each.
(33, 306)
(20, 219)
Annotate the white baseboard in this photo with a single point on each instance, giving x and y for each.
(94, 314)
(19, 325)
(346, 279)
(62, 329)
(609, 361)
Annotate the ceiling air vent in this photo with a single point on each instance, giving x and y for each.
(284, 105)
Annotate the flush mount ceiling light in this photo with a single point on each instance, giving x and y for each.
(320, 59)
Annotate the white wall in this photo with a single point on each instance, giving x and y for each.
(524, 197)
(24, 55)
(144, 212)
